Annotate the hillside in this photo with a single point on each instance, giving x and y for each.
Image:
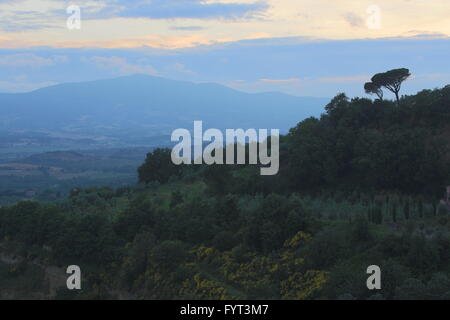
(358, 187)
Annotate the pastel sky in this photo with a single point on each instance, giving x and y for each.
(301, 47)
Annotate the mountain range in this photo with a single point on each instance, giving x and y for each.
(134, 108)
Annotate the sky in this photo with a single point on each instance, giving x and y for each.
(300, 47)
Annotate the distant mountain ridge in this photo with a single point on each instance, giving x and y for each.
(140, 106)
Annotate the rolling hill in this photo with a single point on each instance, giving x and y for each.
(130, 109)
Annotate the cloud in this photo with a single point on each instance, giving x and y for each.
(60, 59)
(422, 34)
(181, 68)
(147, 42)
(121, 64)
(23, 85)
(322, 67)
(10, 26)
(353, 19)
(165, 9)
(174, 23)
(13, 20)
(29, 60)
(356, 78)
(186, 28)
(433, 76)
(279, 80)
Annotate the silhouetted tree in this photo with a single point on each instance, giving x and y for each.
(391, 80)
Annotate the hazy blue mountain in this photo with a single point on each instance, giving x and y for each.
(139, 106)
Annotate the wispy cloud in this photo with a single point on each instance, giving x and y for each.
(23, 84)
(279, 80)
(290, 65)
(186, 28)
(342, 79)
(354, 20)
(22, 15)
(120, 65)
(171, 9)
(178, 24)
(423, 34)
(29, 60)
(180, 68)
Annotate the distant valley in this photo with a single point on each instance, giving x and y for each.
(52, 175)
